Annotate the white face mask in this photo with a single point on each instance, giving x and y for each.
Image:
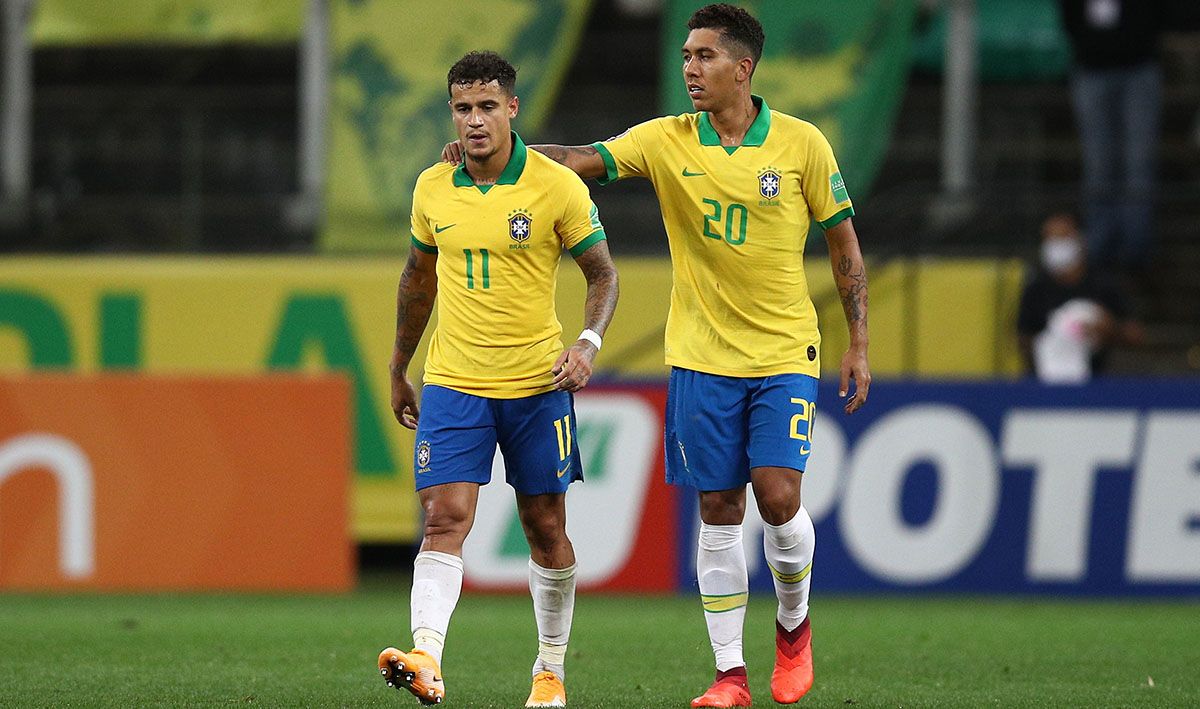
(1060, 254)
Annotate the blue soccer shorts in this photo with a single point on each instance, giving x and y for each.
(457, 435)
(718, 428)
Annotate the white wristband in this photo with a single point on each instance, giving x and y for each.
(591, 336)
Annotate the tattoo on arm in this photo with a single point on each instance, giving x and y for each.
(583, 159)
(852, 287)
(414, 304)
(562, 154)
(603, 288)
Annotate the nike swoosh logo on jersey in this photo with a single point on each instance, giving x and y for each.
(691, 174)
(439, 229)
(804, 451)
(564, 470)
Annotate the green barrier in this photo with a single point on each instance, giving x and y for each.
(1019, 40)
(840, 66)
(87, 22)
(389, 117)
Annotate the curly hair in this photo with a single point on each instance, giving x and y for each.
(484, 67)
(735, 25)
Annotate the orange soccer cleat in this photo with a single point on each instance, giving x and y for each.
(415, 671)
(729, 689)
(547, 691)
(793, 675)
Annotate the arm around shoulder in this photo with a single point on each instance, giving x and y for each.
(585, 160)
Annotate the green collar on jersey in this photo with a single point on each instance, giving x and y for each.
(508, 176)
(755, 137)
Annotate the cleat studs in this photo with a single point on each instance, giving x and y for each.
(383, 671)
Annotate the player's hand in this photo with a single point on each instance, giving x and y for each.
(573, 368)
(854, 366)
(452, 153)
(404, 401)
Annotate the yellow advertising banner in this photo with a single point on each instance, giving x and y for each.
(227, 316)
(238, 315)
(246, 315)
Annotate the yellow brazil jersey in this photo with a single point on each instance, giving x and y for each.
(498, 249)
(736, 221)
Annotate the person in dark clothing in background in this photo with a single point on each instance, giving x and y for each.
(1069, 316)
(1116, 89)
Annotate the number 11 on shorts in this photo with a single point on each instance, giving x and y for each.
(562, 427)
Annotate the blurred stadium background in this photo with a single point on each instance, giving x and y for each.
(205, 211)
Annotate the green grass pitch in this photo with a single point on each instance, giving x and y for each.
(626, 651)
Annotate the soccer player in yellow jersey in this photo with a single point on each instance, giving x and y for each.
(738, 185)
(487, 237)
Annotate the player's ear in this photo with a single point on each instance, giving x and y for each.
(514, 105)
(745, 68)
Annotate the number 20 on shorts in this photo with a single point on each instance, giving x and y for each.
(802, 423)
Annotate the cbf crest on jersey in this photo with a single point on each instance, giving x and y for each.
(520, 223)
(769, 184)
(423, 456)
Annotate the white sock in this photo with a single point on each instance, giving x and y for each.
(553, 592)
(789, 551)
(724, 587)
(437, 583)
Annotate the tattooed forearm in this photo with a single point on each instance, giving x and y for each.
(562, 153)
(602, 290)
(414, 304)
(852, 286)
(583, 159)
(850, 275)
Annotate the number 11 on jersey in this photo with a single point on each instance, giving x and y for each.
(487, 276)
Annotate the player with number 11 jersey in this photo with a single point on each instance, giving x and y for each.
(487, 238)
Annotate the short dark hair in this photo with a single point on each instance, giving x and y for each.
(735, 24)
(485, 67)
